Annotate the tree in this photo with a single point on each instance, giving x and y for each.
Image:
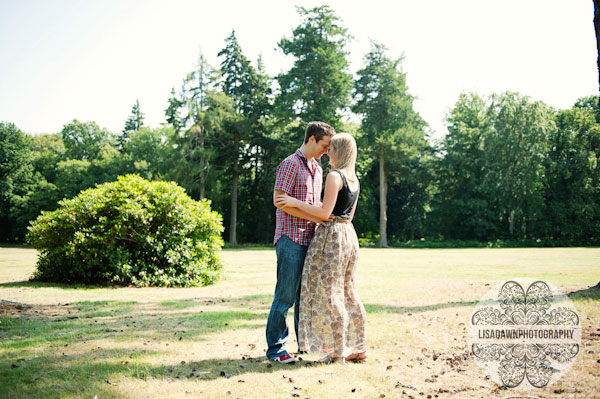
(318, 85)
(393, 131)
(46, 151)
(460, 208)
(145, 152)
(248, 90)
(133, 123)
(16, 179)
(84, 140)
(515, 150)
(572, 175)
(597, 30)
(173, 113)
(190, 160)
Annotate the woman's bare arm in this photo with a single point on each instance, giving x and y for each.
(333, 184)
(296, 212)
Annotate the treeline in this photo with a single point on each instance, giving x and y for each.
(508, 167)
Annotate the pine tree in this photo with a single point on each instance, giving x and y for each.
(393, 130)
(248, 89)
(133, 123)
(318, 86)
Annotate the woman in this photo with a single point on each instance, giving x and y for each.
(332, 316)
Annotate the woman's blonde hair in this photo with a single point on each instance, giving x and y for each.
(345, 147)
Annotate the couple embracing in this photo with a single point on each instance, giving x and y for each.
(317, 251)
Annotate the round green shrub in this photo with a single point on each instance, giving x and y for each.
(129, 232)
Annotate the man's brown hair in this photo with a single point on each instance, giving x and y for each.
(318, 129)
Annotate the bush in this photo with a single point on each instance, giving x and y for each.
(129, 232)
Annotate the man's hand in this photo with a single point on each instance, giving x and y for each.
(294, 211)
(324, 222)
(284, 201)
(277, 195)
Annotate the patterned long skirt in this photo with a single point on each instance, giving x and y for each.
(332, 316)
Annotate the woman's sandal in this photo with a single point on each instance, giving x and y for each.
(330, 359)
(357, 357)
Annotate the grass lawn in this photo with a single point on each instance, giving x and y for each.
(88, 342)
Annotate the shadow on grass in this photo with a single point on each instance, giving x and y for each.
(40, 284)
(57, 375)
(100, 372)
(129, 321)
(591, 293)
(212, 369)
(374, 308)
(257, 302)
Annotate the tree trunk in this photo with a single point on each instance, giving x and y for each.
(202, 163)
(597, 28)
(511, 223)
(234, 195)
(382, 202)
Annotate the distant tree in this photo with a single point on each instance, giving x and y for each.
(460, 208)
(597, 29)
(190, 160)
(572, 174)
(84, 140)
(16, 179)
(515, 150)
(393, 130)
(173, 111)
(145, 152)
(73, 175)
(590, 104)
(46, 151)
(261, 157)
(133, 123)
(248, 90)
(318, 85)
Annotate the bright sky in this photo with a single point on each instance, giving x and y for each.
(90, 60)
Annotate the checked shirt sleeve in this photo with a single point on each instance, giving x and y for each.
(286, 176)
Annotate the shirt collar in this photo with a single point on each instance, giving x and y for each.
(301, 154)
(303, 157)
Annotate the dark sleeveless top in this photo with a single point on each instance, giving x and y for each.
(345, 199)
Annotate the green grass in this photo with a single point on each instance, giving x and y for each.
(81, 342)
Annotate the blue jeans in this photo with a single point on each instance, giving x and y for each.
(290, 261)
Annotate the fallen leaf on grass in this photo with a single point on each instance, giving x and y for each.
(401, 385)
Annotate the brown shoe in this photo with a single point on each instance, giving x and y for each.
(357, 357)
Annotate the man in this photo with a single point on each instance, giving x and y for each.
(301, 177)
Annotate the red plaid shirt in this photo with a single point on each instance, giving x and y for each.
(303, 181)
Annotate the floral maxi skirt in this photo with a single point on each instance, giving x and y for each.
(332, 316)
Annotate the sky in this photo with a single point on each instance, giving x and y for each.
(91, 59)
